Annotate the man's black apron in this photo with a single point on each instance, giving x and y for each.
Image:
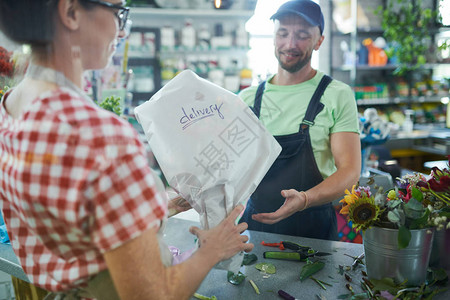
(295, 168)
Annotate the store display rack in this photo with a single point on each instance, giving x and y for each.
(152, 56)
(393, 93)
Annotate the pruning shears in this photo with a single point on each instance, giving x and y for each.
(300, 253)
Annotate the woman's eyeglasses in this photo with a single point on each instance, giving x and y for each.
(122, 14)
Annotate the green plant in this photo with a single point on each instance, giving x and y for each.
(4, 90)
(417, 202)
(112, 104)
(406, 26)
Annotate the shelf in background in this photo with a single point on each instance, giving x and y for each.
(363, 31)
(209, 51)
(399, 100)
(386, 67)
(148, 12)
(364, 67)
(139, 61)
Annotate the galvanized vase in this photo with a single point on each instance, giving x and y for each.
(384, 258)
(440, 252)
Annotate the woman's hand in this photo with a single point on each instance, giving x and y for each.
(224, 240)
(295, 201)
(177, 205)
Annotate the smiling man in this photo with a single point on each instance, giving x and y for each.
(315, 120)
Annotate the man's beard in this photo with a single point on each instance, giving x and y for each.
(297, 66)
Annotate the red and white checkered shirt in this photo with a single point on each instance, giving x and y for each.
(74, 183)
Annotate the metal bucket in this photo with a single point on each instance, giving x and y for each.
(440, 252)
(384, 259)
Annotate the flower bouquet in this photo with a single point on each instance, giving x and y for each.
(397, 225)
(417, 202)
(12, 68)
(6, 69)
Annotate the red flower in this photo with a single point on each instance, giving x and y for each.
(407, 197)
(6, 65)
(422, 184)
(6, 68)
(441, 185)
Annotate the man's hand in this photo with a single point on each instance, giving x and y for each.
(295, 201)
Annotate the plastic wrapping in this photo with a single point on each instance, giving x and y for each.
(209, 145)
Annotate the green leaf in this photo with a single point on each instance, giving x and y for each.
(440, 275)
(235, 279)
(360, 296)
(420, 222)
(266, 267)
(311, 269)
(404, 237)
(385, 284)
(396, 216)
(414, 209)
(112, 104)
(393, 216)
(444, 213)
(249, 259)
(394, 203)
(415, 192)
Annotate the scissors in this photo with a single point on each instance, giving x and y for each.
(301, 253)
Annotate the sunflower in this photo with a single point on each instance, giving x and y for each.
(363, 213)
(349, 198)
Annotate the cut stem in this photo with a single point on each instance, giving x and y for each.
(255, 287)
(320, 282)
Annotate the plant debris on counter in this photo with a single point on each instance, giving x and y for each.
(311, 268)
(235, 279)
(255, 287)
(266, 268)
(321, 283)
(249, 259)
(201, 297)
(387, 288)
(285, 295)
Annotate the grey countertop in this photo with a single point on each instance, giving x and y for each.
(286, 277)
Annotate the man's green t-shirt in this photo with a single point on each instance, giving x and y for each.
(284, 107)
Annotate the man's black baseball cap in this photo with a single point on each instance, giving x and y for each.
(308, 10)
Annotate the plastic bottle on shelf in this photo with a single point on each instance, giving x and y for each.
(241, 36)
(246, 78)
(204, 37)
(408, 124)
(188, 35)
(167, 38)
(128, 108)
(216, 74)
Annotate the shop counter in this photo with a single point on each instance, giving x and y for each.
(287, 273)
(433, 141)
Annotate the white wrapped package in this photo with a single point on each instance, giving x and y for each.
(209, 145)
